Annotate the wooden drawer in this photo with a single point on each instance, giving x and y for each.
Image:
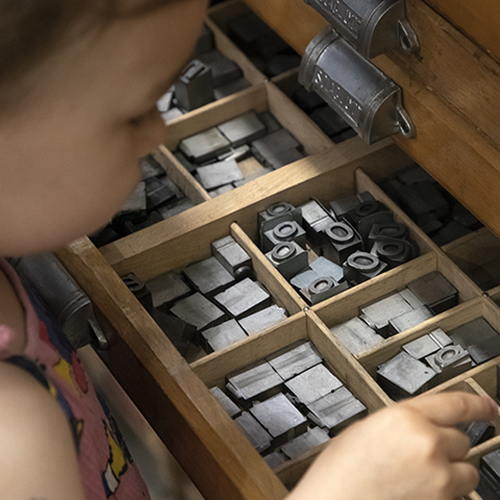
(174, 394)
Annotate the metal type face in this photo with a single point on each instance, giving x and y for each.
(222, 336)
(219, 174)
(263, 320)
(392, 251)
(356, 336)
(368, 100)
(295, 361)
(255, 433)
(312, 213)
(209, 276)
(432, 289)
(280, 418)
(275, 459)
(231, 88)
(322, 289)
(390, 230)
(362, 266)
(371, 26)
(485, 350)
(378, 315)
(409, 320)
(198, 311)
(244, 129)
(313, 384)
(279, 212)
(304, 443)
(340, 208)
(230, 254)
(317, 269)
(283, 232)
(404, 376)
(224, 70)
(472, 333)
(205, 146)
(195, 87)
(259, 382)
(243, 299)
(337, 410)
(278, 141)
(341, 242)
(422, 347)
(288, 258)
(229, 406)
(167, 288)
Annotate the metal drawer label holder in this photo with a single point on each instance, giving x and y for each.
(368, 100)
(371, 26)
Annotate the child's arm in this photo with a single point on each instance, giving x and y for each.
(37, 455)
(411, 451)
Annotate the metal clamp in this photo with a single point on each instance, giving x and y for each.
(371, 26)
(368, 100)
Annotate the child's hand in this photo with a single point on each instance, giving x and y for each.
(410, 451)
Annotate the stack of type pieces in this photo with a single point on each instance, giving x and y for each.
(210, 76)
(324, 252)
(155, 199)
(489, 474)
(212, 303)
(288, 404)
(432, 208)
(269, 53)
(238, 151)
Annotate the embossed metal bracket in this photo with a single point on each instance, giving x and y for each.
(368, 100)
(371, 26)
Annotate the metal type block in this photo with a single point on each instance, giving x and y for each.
(305, 443)
(226, 402)
(315, 219)
(422, 347)
(141, 292)
(268, 119)
(322, 289)
(223, 189)
(151, 168)
(418, 200)
(195, 87)
(104, 236)
(158, 193)
(319, 268)
(364, 226)
(404, 376)
(172, 114)
(172, 186)
(274, 143)
(341, 241)
(224, 70)
(136, 202)
(237, 154)
(449, 362)
(288, 258)
(478, 432)
(165, 102)
(430, 224)
(472, 333)
(390, 230)
(198, 311)
(219, 174)
(411, 298)
(340, 208)
(362, 266)
(392, 187)
(278, 159)
(252, 177)
(179, 332)
(243, 129)
(378, 315)
(413, 175)
(222, 336)
(167, 289)
(277, 213)
(485, 350)
(231, 88)
(441, 337)
(209, 276)
(257, 383)
(409, 320)
(176, 209)
(246, 30)
(295, 361)
(491, 464)
(230, 254)
(280, 418)
(451, 232)
(205, 41)
(263, 320)
(461, 215)
(307, 101)
(344, 136)
(280, 63)
(363, 210)
(204, 146)
(313, 384)
(356, 336)
(435, 291)
(393, 251)
(488, 488)
(275, 459)
(181, 158)
(337, 410)
(255, 433)
(330, 122)
(243, 299)
(284, 231)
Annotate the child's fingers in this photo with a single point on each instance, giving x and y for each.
(454, 408)
(464, 479)
(455, 444)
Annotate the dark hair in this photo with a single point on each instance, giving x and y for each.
(30, 29)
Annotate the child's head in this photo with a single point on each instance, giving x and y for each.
(78, 89)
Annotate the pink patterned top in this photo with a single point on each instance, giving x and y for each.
(106, 467)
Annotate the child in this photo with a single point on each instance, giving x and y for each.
(79, 81)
